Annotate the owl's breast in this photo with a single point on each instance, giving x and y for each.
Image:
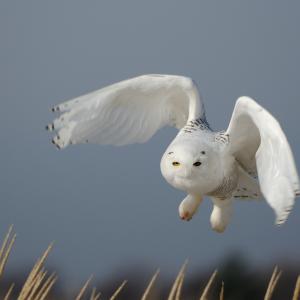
(229, 181)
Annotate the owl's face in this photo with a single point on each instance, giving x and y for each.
(191, 167)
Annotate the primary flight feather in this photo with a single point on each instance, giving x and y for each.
(250, 160)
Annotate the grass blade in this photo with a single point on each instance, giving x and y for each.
(272, 284)
(117, 292)
(6, 249)
(177, 280)
(208, 286)
(6, 240)
(296, 295)
(179, 288)
(150, 285)
(7, 296)
(222, 291)
(83, 289)
(95, 295)
(47, 287)
(33, 277)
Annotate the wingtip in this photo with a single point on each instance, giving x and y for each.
(55, 109)
(50, 127)
(279, 223)
(56, 144)
(281, 219)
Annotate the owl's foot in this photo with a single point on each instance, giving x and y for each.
(185, 215)
(188, 207)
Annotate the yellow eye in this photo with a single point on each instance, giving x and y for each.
(175, 163)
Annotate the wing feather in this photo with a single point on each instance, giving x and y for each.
(260, 146)
(127, 112)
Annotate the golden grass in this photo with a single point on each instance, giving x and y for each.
(296, 295)
(176, 283)
(179, 287)
(117, 292)
(6, 249)
(8, 294)
(272, 284)
(39, 283)
(150, 285)
(83, 289)
(222, 291)
(208, 286)
(95, 295)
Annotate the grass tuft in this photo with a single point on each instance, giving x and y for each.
(6, 249)
(95, 295)
(208, 286)
(177, 281)
(38, 283)
(272, 283)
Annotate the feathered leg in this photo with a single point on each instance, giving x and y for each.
(189, 206)
(221, 214)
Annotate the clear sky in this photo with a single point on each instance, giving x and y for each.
(108, 207)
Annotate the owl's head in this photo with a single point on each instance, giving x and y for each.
(192, 167)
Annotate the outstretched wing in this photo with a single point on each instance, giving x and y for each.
(127, 112)
(260, 146)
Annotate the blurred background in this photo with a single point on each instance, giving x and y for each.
(108, 209)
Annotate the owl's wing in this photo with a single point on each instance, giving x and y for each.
(260, 146)
(127, 112)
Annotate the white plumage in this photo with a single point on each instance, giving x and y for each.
(252, 158)
(127, 112)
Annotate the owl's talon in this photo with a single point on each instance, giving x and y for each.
(186, 216)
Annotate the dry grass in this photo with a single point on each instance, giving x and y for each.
(39, 283)
(222, 291)
(296, 295)
(272, 284)
(204, 295)
(6, 249)
(83, 289)
(176, 285)
(150, 285)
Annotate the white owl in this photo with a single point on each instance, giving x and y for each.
(251, 159)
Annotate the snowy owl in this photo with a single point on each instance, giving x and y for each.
(250, 160)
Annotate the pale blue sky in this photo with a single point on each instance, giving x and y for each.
(106, 207)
